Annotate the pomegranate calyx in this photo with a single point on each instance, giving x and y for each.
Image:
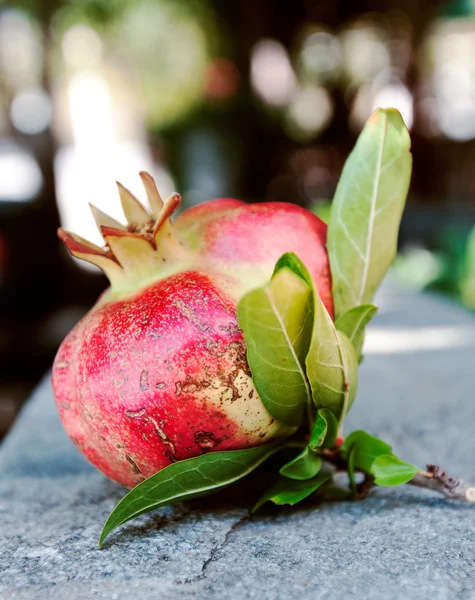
(148, 246)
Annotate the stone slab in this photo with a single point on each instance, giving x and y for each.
(416, 391)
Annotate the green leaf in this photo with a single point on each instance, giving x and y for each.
(187, 479)
(332, 427)
(332, 366)
(373, 456)
(366, 449)
(304, 466)
(319, 431)
(291, 261)
(389, 470)
(291, 491)
(276, 322)
(367, 208)
(353, 324)
(324, 431)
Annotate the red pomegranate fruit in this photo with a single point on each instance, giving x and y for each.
(156, 372)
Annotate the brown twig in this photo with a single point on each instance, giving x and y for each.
(335, 458)
(364, 488)
(438, 480)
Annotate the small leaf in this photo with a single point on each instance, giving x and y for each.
(367, 208)
(353, 324)
(276, 321)
(332, 367)
(332, 427)
(291, 491)
(366, 449)
(304, 466)
(187, 479)
(389, 470)
(319, 431)
(324, 431)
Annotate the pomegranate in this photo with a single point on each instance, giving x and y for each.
(156, 372)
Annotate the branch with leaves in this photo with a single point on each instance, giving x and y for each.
(304, 364)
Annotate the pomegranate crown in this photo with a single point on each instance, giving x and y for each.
(148, 243)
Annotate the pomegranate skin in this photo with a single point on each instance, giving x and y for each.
(156, 372)
(248, 239)
(159, 376)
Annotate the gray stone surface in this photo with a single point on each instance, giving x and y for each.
(416, 391)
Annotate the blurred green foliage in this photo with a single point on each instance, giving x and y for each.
(450, 269)
(163, 46)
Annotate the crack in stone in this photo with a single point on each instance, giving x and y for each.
(216, 550)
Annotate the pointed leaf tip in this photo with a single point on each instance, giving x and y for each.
(153, 195)
(78, 245)
(134, 211)
(101, 218)
(367, 209)
(101, 257)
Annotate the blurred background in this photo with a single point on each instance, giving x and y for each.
(259, 100)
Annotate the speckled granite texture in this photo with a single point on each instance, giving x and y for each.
(416, 391)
